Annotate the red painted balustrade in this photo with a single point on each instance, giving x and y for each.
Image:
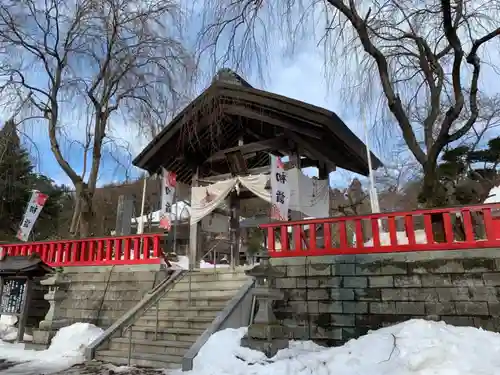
(137, 249)
(437, 229)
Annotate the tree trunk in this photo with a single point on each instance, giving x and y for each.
(87, 213)
(73, 229)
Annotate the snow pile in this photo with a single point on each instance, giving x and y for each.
(183, 263)
(66, 350)
(7, 330)
(385, 239)
(494, 195)
(416, 347)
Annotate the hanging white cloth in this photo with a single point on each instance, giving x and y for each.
(311, 197)
(257, 185)
(207, 198)
(307, 195)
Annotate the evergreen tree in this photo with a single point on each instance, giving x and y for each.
(466, 175)
(16, 177)
(17, 181)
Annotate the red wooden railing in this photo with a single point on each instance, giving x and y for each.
(137, 249)
(436, 229)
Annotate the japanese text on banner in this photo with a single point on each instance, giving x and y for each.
(167, 198)
(35, 206)
(280, 196)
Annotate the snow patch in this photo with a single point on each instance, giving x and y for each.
(385, 238)
(415, 347)
(183, 263)
(66, 349)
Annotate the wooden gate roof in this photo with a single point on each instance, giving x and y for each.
(230, 110)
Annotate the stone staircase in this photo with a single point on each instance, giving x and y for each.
(180, 322)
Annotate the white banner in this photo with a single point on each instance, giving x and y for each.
(280, 190)
(33, 210)
(167, 198)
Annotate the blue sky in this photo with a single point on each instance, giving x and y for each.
(300, 75)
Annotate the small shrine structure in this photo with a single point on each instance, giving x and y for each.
(221, 143)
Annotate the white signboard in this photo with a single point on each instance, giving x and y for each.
(33, 210)
(167, 198)
(280, 190)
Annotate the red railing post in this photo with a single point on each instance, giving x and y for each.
(393, 232)
(271, 240)
(312, 236)
(156, 246)
(109, 250)
(137, 248)
(468, 226)
(145, 247)
(375, 232)
(410, 229)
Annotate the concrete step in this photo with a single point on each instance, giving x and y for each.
(186, 312)
(166, 322)
(210, 275)
(175, 348)
(119, 357)
(207, 294)
(167, 334)
(209, 285)
(179, 300)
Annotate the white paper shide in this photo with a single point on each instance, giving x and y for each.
(35, 206)
(167, 198)
(280, 195)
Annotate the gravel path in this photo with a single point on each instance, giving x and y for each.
(90, 368)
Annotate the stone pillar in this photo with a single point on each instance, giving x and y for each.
(266, 334)
(58, 287)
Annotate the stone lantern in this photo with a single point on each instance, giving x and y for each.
(265, 333)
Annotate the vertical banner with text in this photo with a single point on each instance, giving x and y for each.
(280, 190)
(35, 206)
(167, 198)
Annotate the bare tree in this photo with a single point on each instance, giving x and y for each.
(89, 66)
(418, 60)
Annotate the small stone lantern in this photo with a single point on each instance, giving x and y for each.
(265, 333)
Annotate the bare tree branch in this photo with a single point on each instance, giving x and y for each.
(107, 62)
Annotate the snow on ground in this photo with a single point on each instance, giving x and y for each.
(66, 349)
(385, 239)
(183, 263)
(416, 347)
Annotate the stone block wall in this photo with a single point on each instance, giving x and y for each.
(333, 299)
(100, 295)
(97, 295)
(38, 306)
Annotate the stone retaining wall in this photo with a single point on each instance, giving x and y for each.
(97, 295)
(333, 299)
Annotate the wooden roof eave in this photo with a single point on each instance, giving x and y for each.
(303, 112)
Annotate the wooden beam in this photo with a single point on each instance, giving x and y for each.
(314, 151)
(248, 113)
(305, 163)
(266, 145)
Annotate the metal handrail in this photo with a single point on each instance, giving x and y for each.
(129, 327)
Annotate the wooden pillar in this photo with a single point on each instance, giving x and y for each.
(323, 172)
(194, 231)
(234, 229)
